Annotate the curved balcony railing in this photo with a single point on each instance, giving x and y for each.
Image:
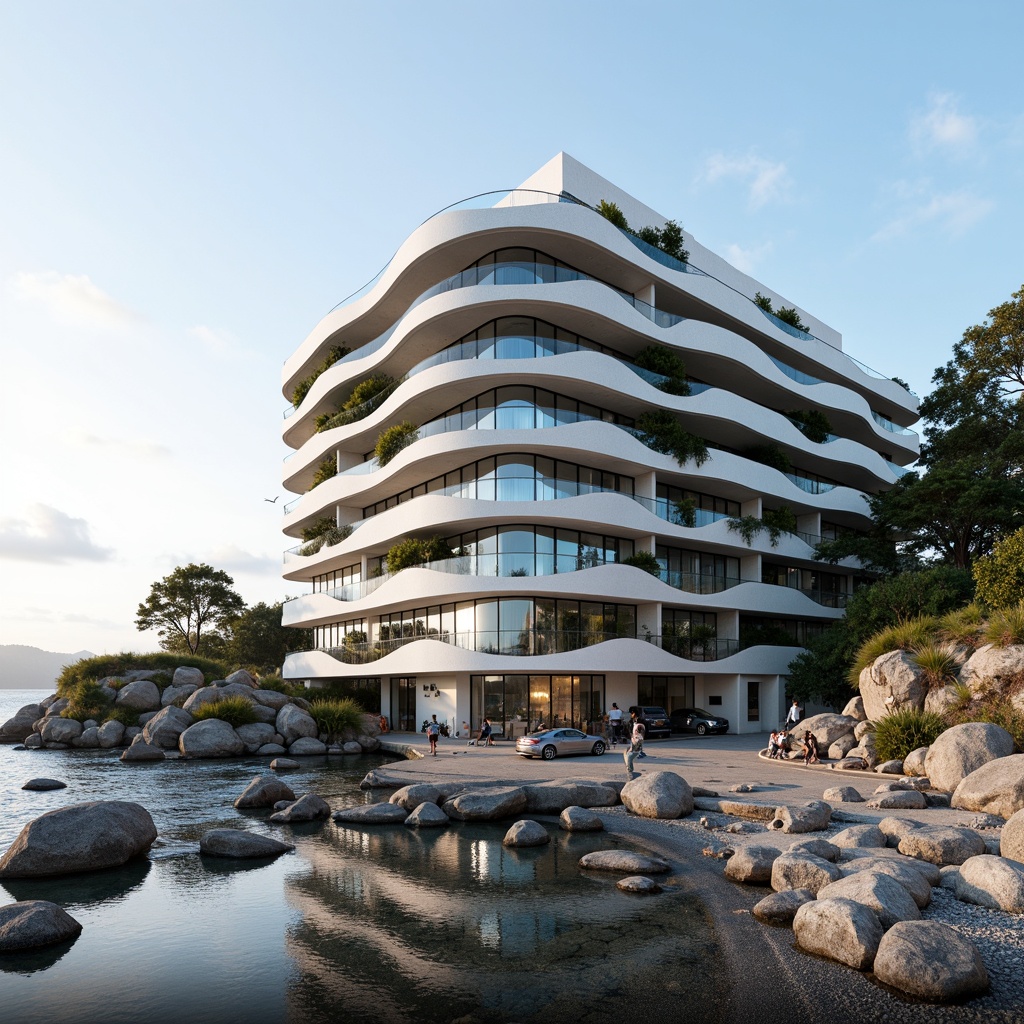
(887, 424)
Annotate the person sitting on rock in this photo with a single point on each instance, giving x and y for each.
(773, 745)
(810, 748)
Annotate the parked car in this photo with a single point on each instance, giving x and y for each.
(697, 720)
(552, 743)
(656, 721)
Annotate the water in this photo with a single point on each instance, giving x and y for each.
(382, 924)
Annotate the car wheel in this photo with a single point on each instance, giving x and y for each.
(702, 729)
(598, 748)
(548, 753)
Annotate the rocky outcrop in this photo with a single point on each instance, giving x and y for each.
(964, 749)
(839, 929)
(33, 924)
(992, 882)
(210, 738)
(235, 842)
(658, 795)
(892, 680)
(82, 837)
(526, 833)
(166, 726)
(931, 961)
(18, 728)
(997, 787)
(625, 861)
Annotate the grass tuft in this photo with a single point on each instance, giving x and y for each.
(905, 730)
(235, 711)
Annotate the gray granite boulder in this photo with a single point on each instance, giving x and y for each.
(255, 735)
(243, 677)
(141, 695)
(828, 727)
(751, 865)
(842, 795)
(368, 744)
(802, 871)
(889, 768)
(187, 675)
(855, 709)
(410, 797)
(997, 787)
(893, 677)
(992, 882)
(19, 728)
(992, 668)
(210, 738)
(812, 816)
(882, 893)
(284, 764)
(853, 763)
(553, 797)
(140, 750)
(33, 742)
(780, 908)
(964, 749)
(211, 694)
(626, 861)
(293, 723)
(264, 791)
(894, 829)
(658, 795)
(426, 815)
(860, 836)
(352, 747)
(177, 695)
(272, 750)
(1011, 840)
(899, 799)
(42, 785)
(931, 961)
(89, 740)
(487, 804)
(32, 924)
(110, 734)
(942, 844)
(841, 747)
(371, 814)
(526, 833)
(236, 842)
(56, 707)
(166, 726)
(309, 807)
(271, 699)
(82, 837)
(913, 880)
(60, 730)
(913, 763)
(640, 884)
(839, 929)
(867, 858)
(580, 819)
(306, 746)
(817, 848)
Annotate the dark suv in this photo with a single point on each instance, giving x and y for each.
(697, 720)
(656, 722)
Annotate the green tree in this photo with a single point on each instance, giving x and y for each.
(1000, 576)
(992, 353)
(191, 608)
(258, 638)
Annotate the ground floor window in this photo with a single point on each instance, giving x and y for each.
(753, 700)
(526, 703)
(667, 692)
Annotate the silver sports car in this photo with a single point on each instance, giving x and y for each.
(558, 743)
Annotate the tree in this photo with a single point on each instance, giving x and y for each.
(190, 608)
(992, 353)
(258, 639)
(1000, 575)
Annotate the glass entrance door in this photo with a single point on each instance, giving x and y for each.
(403, 703)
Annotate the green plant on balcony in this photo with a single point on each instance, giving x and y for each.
(323, 533)
(327, 468)
(773, 521)
(769, 455)
(392, 440)
(334, 353)
(644, 560)
(787, 314)
(661, 360)
(417, 551)
(684, 512)
(813, 424)
(356, 405)
(668, 239)
(702, 636)
(663, 433)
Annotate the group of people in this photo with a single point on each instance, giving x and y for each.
(778, 741)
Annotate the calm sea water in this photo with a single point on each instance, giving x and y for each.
(381, 924)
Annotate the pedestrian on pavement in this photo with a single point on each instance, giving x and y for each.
(636, 744)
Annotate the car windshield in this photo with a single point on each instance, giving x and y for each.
(701, 711)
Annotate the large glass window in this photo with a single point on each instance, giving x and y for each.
(526, 703)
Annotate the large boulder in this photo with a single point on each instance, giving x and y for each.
(60, 730)
(828, 727)
(306, 746)
(802, 871)
(142, 695)
(242, 677)
(188, 675)
(553, 797)
(1011, 840)
(34, 923)
(900, 799)
(293, 723)
(18, 728)
(913, 880)
(839, 929)
(371, 814)
(997, 787)
(842, 795)
(882, 893)
(264, 791)
(841, 747)
(426, 815)
(868, 859)
(625, 861)
(255, 735)
(43, 785)
(490, 804)
(855, 709)
(309, 807)
(964, 749)
(992, 882)
(992, 668)
(110, 734)
(931, 961)
(212, 694)
(210, 738)
(913, 763)
(526, 833)
(892, 680)
(82, 837)
(236, 842)
(177, 695)
(410, 797)
(751, 865)
(658, 795)
(580, 819)
(89, 740)
(271, 699)
(140, 750)
(813, 816)
(779, 908)
(942, 844)
(859, 836)
(164, 728)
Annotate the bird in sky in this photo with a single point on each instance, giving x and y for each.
(272, 500)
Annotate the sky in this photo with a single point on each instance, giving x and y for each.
(187, 188)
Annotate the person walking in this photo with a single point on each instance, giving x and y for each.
(615, 717)
(793, 716)
(433, 732)
(636, 744)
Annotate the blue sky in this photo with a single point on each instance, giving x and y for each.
(188, 187)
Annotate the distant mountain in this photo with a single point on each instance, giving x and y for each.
(26, 668)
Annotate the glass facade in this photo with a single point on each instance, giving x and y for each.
(697, 572)
(516, 704)
(668, 692)
(338, 578)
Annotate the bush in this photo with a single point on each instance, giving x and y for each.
(905, 730)
(324, 533)
(235, 711)
(776, 521)
(668, 239)
(644, 560)
(662, 432)
(335, 716)
(937, 662)
(86, 700)
(126, 716)
(963, 626)
(302, 388)
(327, 468)
(907, 635)
(1000, 576)
(391, 441)
(356, 406)
(1006, 627)
(769, 455)
(814, 424)
(103, 665)
(662, 360)
(417, 551)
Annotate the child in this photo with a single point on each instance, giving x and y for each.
(773, 745)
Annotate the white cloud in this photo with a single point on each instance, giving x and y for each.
(139, 447)
(49, 535)
(953, 213)
(767, 181)
(72, 298)
(942, 126)
(232, 559)
(747, 258)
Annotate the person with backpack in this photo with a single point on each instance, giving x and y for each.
(636, 745)
(433, 731)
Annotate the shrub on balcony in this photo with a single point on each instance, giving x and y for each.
(353, 408)
(662, 360)
(813, 424)
(769, 455)
(327, 468)
(668, 239)
(663, 433)
(644, 560)
(324, 532)
(684, 512)
(787, 314)
(417, 551)
(391, 441)
(334, 353)
(775, 521)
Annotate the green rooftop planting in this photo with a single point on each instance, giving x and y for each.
(668, 239)
(334, 353)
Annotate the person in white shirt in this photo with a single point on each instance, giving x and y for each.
(636, 746)
(793, 716)
(615, 717)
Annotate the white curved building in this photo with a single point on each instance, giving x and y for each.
(508, 332)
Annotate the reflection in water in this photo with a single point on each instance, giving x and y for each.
(32, 961)
(73, 892)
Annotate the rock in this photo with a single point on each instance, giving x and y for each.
(913, 880)
(526, 833)
(19, 728)
(827, 728)
(236, 842)
(889, 768)
(410, 797)
(243, 677)
(130, 732)
(812, 816)
(903, 799)
(487, 804)
(284, 764)
(913, 763)
(626, 861)
(963, 749)
(894, 829)
(839, 929)
(293, 723)
(638, 884)
(140, 750)
(264, 791)
(992, 882)
(658, 795)
(34, 923)
(309, 807)
(881, 892)
(817, 848)
(306, 746)
(42, 785)
(142, 695)
(1011, 841)
(372, 814)
(780, 907)
(82, 837)
(60, 730)
(368, 743)
(860, 836)
(864, 858)
(852, 764)
(351, 747)
(937, 701)
(56, 707)
(942, 845)
(802, 871)
(580, 819)
(992, 668)
(892, 679)
(937, 799)
(211, 694)
(89, 740)
(271, 750)
(842, 795)
(742, 827)
(841, 747)
(554, 797)
(271, 699)
(855, 709)
(865, 751)
(110, 734)
(426, 815)
(255, 735)
(177, 695)
(210, 738)
(187, 675)
(997, 787)
(931, 961)
(146, 717)
(743, 787)
(751, 865)
(33, 742)
(166, 726)
(949, 875)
